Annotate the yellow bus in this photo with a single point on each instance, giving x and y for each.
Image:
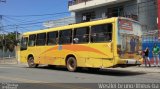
(106, 43)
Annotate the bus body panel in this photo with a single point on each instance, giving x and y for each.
(87, 55)
(23, 56)
(24, 53)
(94, 55)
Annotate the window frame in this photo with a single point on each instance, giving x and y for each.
(111, 33)
(56, 41)
(38, 38)
(26, 45)
(88, 16)
(29, 44)
(59, 37)
(75, 36)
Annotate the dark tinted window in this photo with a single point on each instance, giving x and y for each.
(52, 38)
(41, 39)
(24, 42)
(65, 37)
(32, 41)
(101, 33)
(81, 35)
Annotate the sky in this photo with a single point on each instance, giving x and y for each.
(28, 15)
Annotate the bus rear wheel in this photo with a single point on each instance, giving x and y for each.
(31, 63)
(71, 64)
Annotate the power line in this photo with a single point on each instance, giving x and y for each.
(37, 14)
(24, 23)
(62, 12)
(38, 22)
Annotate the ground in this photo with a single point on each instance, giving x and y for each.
(62, 79)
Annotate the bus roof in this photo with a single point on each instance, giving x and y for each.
(78, 25)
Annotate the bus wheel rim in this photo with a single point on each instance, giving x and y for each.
(71, 64)
(31, 61)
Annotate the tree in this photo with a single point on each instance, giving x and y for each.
(10, 41)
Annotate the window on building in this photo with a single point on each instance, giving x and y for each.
(134, 17)
(52, 38)
(115, 12)
(32, 40)
(88, 16)
(65, 37)
(104, 15)
(101, 33)
(41, 39)
(81, 35)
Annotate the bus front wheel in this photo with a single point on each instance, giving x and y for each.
(71, 64)
(31, 63)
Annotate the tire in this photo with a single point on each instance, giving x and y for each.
(71, 64)
(31, 63)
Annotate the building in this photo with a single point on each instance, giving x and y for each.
(144, 11)
(158, 18)
(59, 22)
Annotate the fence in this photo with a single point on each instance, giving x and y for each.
(149, 39)
(8, 49)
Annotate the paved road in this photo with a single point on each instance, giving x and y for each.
(54, 77)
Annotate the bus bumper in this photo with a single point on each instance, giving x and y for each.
(128, 62)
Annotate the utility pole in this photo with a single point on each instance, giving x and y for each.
(1, 31)
(16, 32)
(3, 41)
(16, 46)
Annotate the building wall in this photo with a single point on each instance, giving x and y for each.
(78, 5)
(144, 10)
(147, 10)
(158, 20)
(128, 9)
(60, 22)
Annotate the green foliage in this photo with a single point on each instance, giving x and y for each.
(10, 41)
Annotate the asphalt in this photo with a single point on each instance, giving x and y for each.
(141, 68)
(45, 77)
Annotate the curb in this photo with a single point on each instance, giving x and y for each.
(141, 69)
(8, 62)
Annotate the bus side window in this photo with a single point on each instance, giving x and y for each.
(65, 36)
(81, 35)
(24, 42)
(41, 39)
(52, 38)
(32, 40)
(101, 33)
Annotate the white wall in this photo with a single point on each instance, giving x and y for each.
(146, 11)
(93, 4)
(148, 14)
(103, 9)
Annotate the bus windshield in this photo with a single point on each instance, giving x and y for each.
(129, 39)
